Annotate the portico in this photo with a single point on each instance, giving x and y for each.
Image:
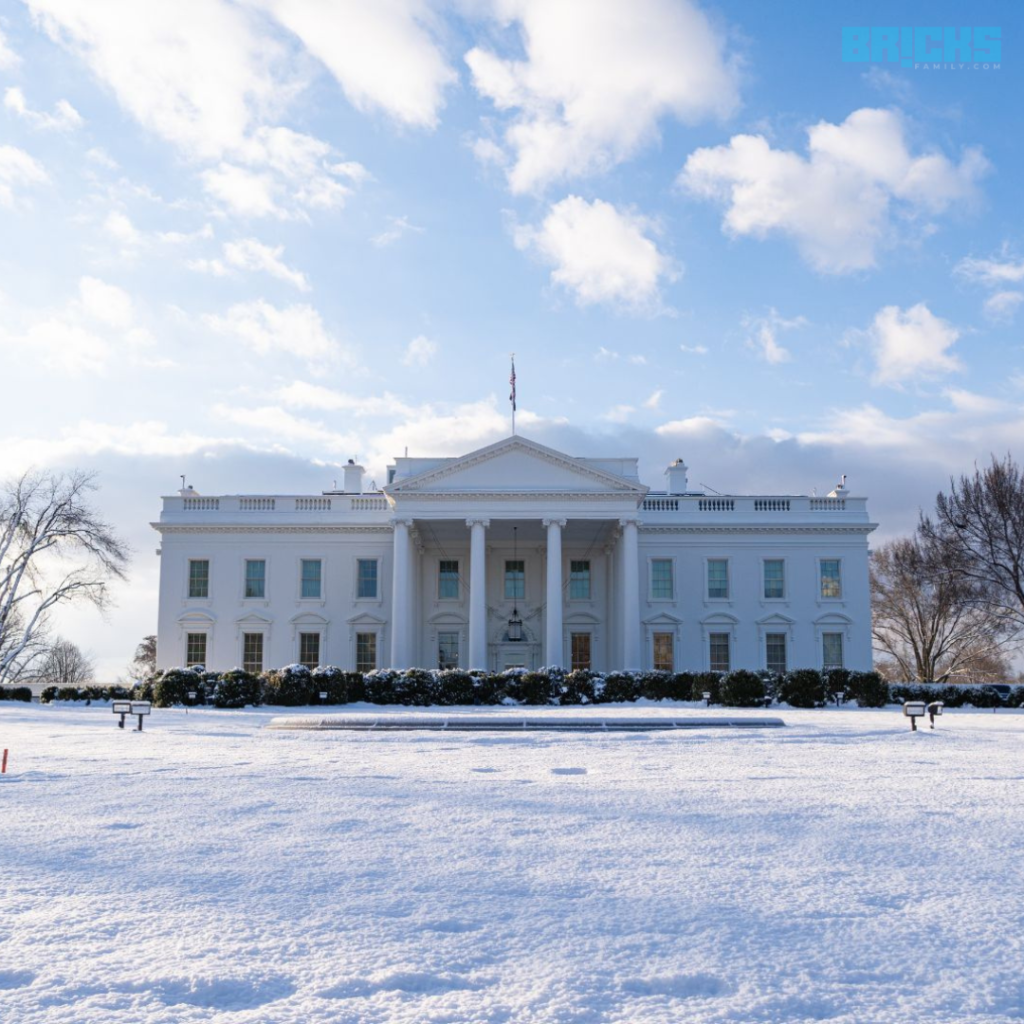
(529, 497)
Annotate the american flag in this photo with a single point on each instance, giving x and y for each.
(512, 381)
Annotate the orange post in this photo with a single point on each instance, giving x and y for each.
(3, 770)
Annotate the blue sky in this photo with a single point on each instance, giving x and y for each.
(247, 241)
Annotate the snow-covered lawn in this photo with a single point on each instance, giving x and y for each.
(209, 869)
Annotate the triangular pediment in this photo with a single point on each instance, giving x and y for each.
(519, 465)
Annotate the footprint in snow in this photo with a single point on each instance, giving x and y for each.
(568, 771)
(15, 979)
(678, 986)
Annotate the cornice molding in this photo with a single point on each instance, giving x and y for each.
(246, 528)
(756, 528)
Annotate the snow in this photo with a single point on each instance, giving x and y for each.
(210, 869)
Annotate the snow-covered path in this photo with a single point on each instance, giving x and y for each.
(208, 869)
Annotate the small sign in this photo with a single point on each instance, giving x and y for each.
(140, 707)
(121, 707)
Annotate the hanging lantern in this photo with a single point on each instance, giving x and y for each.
(515, 623)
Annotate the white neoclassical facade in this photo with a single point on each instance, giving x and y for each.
(515, 555)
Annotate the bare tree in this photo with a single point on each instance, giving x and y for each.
(54, 549)
(66, 665)
(928, 623)
(980, 526)
(144, 662)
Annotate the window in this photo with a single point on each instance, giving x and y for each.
(831, 582)
(579, 644)
(719, 651)
(448, 580)
(718, 579)
(775, 652)
(311, 570)
(663, 661)
(252, 652)
(255, 577)
(661, 579)
(366, 652)
(198, 577)
(447, 650)
(195, 649)
(774, 578)
(515, 581)
(579, 580)
(832, 650)
(309, 649)
(366, 577)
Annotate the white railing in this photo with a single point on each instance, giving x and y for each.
(661, 505)
(771, 504)
(256, 504)
(716, 504)
(312, 504)
(828, 504)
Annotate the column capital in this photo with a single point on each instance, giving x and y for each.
(629, 521)
(560, 523)
(478, 521)
(401, 521)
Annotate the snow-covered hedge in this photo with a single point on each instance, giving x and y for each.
(16, 693)
(296, 686)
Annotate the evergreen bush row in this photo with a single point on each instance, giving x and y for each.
(298, 686)
(23, 693)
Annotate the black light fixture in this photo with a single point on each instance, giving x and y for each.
(515, 623)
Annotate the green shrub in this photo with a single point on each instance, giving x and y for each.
(289, 687)
(535, 688)
(803, 688)
(578, 688)
(836, 681)
(868, 689)
(742, 689)
(618, 688)
(333, 681)
(174, 686)
(22, 693)
(236, 689)
(380, 686)
(69, 693)
(665, 685)
(414, 686)
(707, 682)
(489, 688)
(453, 686)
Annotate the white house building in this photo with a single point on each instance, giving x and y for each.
(515, 555)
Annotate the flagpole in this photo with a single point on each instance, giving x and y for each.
(512, 394)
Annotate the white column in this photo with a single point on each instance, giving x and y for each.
(401, 596)
(553, 654)
(630, 596)
(477, 593)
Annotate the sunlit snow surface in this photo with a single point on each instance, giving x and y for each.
(208, 869)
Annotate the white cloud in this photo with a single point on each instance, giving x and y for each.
(381, 54)
(596, 79)
(619, 413)
(605, 355)
(251, 254)
(655, 400)
(271, 421)
(101, 158)
(8, 58)
(911, 344)
(62, 345)
(106, 303)
(119, 227)
(692, 426)
(837, 203)
(195, 72)
(421, 351)
(1001, 307)
(295, 330)
(63, 119)
(303, 395)
(993, 273)
(764, 335)
(18, 169)
(246, 193)
(694, 350)
(599, 253)
(399, 226)
(214, 267)
(638, 360)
